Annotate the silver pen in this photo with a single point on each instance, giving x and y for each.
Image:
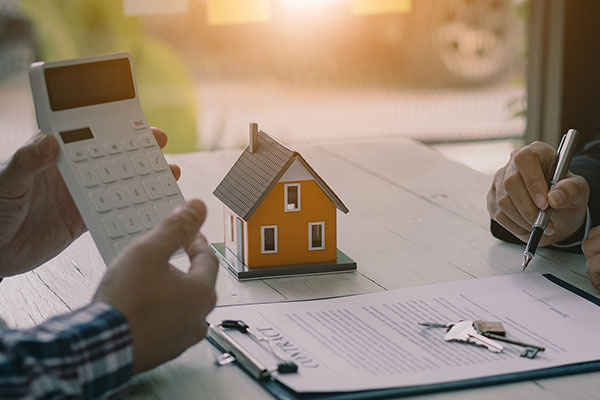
(565, 152)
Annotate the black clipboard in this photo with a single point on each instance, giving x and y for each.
(282, 392)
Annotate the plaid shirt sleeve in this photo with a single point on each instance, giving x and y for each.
(85, 354)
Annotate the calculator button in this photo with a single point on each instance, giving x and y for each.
(132, 222)
(119, 197)
(95, 150)
(90, 175)
(162, 209)
(136, 192)
(153, 189)
(131, 143)
(77, 155)
(168, 184)
(141, 164)
(157, 160)
(148, 217)
(108, 172)
(137, 124)
(124, 168)
(147, 140)
(101, 200)
(114, 147)
(114, 226)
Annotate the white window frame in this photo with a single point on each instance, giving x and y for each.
(262, 239)
(231, 228)
(310, 225)
(285, 197)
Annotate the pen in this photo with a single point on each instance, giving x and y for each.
(565, 152)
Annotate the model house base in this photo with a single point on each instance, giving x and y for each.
(242, 272)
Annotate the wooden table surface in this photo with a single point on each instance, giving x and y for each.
(415, 218)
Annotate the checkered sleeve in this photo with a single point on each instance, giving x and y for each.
(85, 354)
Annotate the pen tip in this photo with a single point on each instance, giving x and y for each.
(526, 259)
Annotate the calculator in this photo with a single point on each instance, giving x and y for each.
(109, 158)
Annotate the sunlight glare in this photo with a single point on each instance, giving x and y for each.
(307, 4)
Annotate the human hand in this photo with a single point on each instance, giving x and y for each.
(38, 217)
(519, 190)
(591, 250)
(165, 308)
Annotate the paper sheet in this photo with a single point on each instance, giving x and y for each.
(374, 341)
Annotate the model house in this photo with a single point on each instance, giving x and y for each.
(277, 209)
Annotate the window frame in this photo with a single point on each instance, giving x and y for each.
(285, 197)
(310, 241)
(262, 239)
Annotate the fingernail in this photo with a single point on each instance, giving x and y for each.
(556, 198)
(540, 201)
(549, 231)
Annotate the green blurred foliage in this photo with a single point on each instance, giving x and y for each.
(75, 28)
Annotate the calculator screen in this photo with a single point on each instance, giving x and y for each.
(88, 84)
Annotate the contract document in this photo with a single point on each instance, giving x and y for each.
(373, 341)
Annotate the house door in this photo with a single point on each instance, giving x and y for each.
(239, 232)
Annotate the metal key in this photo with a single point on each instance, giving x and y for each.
(464, 331)
(496, 331)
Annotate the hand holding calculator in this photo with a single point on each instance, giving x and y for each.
(109, 158)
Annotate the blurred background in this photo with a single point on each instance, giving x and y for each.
(449, 73)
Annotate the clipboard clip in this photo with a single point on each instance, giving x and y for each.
(235, 352)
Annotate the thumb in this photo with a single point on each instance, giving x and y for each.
(30, 159)
(571, 192)
(176, 230)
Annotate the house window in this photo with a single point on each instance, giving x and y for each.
(268, 239)
(316, 235)
(292, 197)
(231, 227)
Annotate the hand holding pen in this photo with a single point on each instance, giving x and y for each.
(520, 190)
(560, 167)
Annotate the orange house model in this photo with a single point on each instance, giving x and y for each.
(279, 215)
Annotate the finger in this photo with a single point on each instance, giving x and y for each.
(521, 202)
(594, 232)
(508, 211)
(176, 171)
(593, 270)
(176, 230)
(533, 161)
(33, 157)
(571, 192)
(160, 136)
(512, 226)
(591, 246)
(204, 263)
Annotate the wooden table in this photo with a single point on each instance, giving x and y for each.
(415, 218)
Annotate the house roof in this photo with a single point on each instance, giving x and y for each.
(253, 176)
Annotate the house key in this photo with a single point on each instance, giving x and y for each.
(464, 331)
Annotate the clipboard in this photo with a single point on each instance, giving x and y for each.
(282, 392)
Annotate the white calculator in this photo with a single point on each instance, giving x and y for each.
(109, 158)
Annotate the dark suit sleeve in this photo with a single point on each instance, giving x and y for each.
(587, 164)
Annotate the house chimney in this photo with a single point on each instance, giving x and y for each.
(253, 137)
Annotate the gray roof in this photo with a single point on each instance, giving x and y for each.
(253, 176)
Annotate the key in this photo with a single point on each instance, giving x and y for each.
(464, 331)
(495, 331)
(530, 351)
